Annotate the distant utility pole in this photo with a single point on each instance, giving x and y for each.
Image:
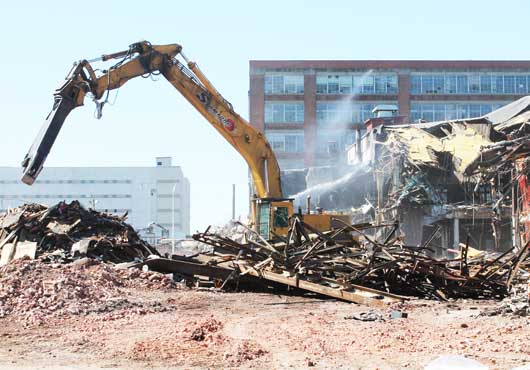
(233, 201)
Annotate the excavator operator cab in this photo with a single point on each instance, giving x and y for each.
(272, 216)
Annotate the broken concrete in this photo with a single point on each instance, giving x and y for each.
(25, 249)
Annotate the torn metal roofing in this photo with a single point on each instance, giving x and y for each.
(465, 140)
(423, 148)
(514, 121)
(509, 111)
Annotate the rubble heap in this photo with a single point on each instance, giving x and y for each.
(33, 291)
(65, 231)
(365, 258)
(517, 303)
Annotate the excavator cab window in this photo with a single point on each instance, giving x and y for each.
(281, 217)
(264, 219)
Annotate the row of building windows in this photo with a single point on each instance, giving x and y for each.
(283, 141)
(63, 196)
(336, 113)
(327, 141)
(334, 84)
(384, 84)
(330, 113)
(288, 84)
(380, 84)
(334, 141)
(469, 84)
(284, 112)
(70, 182)
(449, 111)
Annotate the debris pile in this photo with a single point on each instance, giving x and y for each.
(517, 303)
(364, 263)
(245, 351)
(66, 231)
(206, 328)
(198, 342)
(33, 291)
(450, 180)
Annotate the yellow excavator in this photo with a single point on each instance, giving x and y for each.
(270, 209)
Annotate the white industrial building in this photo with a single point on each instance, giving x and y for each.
(156, 198)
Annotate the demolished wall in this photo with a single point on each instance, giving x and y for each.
(448, 176)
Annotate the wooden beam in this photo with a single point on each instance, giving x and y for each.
(355, 294)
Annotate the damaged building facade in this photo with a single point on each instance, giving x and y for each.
(315, 115)
(310, 110)
(449, 182)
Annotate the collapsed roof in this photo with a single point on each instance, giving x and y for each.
(455, 150)
(459, 145)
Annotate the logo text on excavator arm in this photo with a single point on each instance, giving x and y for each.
(227, 123)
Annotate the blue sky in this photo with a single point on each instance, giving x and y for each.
(42, 39)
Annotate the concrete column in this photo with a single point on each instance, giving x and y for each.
(310, 118)
(404, 94)
(456, 233)
(444, 240)
(256, 97)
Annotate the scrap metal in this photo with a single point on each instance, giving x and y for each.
(352, 263)
(467, 177)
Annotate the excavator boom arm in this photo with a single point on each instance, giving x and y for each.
(143, 58)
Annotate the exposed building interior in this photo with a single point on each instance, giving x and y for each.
(432, 178)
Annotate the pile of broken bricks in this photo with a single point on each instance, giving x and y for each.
(33, 291)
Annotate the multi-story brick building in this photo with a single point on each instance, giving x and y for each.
(310, 110)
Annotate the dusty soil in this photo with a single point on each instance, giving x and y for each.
(262, 331)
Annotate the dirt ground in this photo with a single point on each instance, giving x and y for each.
(202, 329)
